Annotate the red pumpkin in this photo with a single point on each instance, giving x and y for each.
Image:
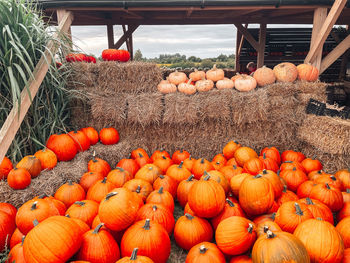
(235, 235)
(63, 146)
(290, 155)
(142, 160)
(158, 154)
(294, 178)
(99, 190)
(206, 198)
(256, 195)
(16, 238)
(81, 141)
(190, 230)
(241, 259)
(178, 172)
(330, 196)
(254, 166)
(109, 136)
(231, 171)
(118, 177)
(136, 153)
(89, 179)
(290, 165)
(115, 55)
(183, 190)
(230, 149)
(162, 198)
(287, 196)
(168, 183)
(269, 163)
(344, 230)
(163, 163)
(76, 57)
(18, 178)
(118, 209)
(305, 188)
(141, 187)
(130, 165)
(291, 214)
(205, 252)
(150, 238)
(99, 166)
(318, 209)
(92, 135)
(7, 227)
(331, 180)
(85, 210)
(346, 258)
(273, 153)
(311, 165)
(321, 240)
(199, 166)
(230, 209)
(179, 156)
(69, 193)
(188, 163)
(48, 159)
(98, 245)
(5, 167)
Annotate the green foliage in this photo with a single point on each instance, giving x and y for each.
(23, 37)
(4, 254)
(138, 55)
(207, 63)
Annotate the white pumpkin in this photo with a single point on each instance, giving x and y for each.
(187, 88)
(225, 84)
(245, 83)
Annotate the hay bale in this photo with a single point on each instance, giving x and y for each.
(330, 135)
(84, 75)
(145, 108)
(282, 108)
(316, 87)
(132, 77)
(180, 108)
(281, 89)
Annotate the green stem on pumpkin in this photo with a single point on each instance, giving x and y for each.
(234, 166)
(202, 249)
(154, 208)
(161, 176)
(207, 176)
(190, 178)
(202, 160)
(273, 216)
(181, 164)
(309, 201)
(257, 176)
(34, 207)
(70, 182)
(328, 187)
(97, 229)
(23, 237)
(147, 225)
(266, 228)
(120, 169)
(250, 228)
(270, 234)
(160, 191)
(104, 180)
(230, 203)
(138, 189)
(188, 216)
(347, 190)
(264, 171)
(79, 203)
(108, 196)
(298, 209)
(93, 157)
(134, 254)
(284, 189)
(35, 222)
(333, 178)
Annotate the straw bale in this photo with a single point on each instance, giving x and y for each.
(181, 108)
(316, 87)
(145, 108)
(84, 75)
(131, 77)
(281, 89)
(330, 135)
(249, 107)
(282, 108)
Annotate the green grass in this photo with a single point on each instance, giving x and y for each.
(23, 37)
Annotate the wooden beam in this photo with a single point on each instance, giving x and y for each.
(262, 42)
(127, 34)
(320, 15)
(189, 12)
(238, 40)
(335, 54)
(127, 40)
(15, 118)
(241, 40)
(110, 35)
(326, 28)
(247, 35)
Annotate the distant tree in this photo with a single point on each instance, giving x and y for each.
(207, 63)
(222, 58)
(138, 55)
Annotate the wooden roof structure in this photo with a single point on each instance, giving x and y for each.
(323, 14)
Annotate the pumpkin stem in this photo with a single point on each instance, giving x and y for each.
(214, 67)
(288, 162)
(273, 216)
(70, 182)
(266, 228)
(188, 216)
(138, 189)
(154, 208)
(108, 196)
(35, 222)
(104, 180)
(278, 172)
(294, 168)
(319, 218)
(182, 150)
(160, 191)
(328, 187)
(270, 234)
(202, 249)
(230, 203)
(93, 157)
(190, 157)
(202, 160)
(207, 176)
(164, 157)
(264, 155)
(140, 155)
(79, 203)
(147, 225)
(319, 171)
(33, 207)
(257, 176)
(42, 196)
(284, 189)
(134, 254)
(191, 177)
(181, 164)
(333, 178)
(97, 229)
(309, 201)
(347, 190)
(250, 228)
(67, 215)
(298, 209)
(23, 237)
(234, 166)
(161, 176)
(120, 169)
(150, 168)
(264, 171)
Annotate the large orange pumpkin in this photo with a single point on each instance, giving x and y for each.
(92, 135)
(331, 180)
(230, 209)
(149, 173)
(178, 172)
(236, 182)
(230, 149)
(330, 196)
(179, 156)
(5, 167)
(18, 178)
(322, 241)
(162, 198)
(63, 146)
(82, 142)
(307, 72)
(98, 165)
(48, 158)
(344, 230)
(183, 190)
(285, 72)
(169, 184)
(244, 154)
(264, 76)
(85, 210)
(119, 177)
(90, 178)
(318, 209)
(294, 178)
(69, 193)
(200, 166)
(205, 252)
(235, 235)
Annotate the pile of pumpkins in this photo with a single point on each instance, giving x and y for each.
(119, 55)
(204, 81)
(238, 207)
(59, 147)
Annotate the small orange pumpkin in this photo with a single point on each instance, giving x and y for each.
(31, 164)
(307, 72)
(245, 83)
(197, 75)
(215, 74)
(177, 77)
(264, 76)
(165, 87)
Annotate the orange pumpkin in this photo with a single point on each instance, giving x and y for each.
(197, 75)
(290, 155)
(231, 171)
(285, 72)
(330, 196)
(109, 136)
(163, 163)
(183, 190)
(141, 187)
(178, 172)
(307, 72)
(90, 178)
(18, 178)
(343, 175)
(311, 165)
(81, 141)
(230, 209)
(5, 167)
(318, 209)
(177, 77)
(161, 197)
(200, 166)
(254, 166)
(92, 135)
(130, 165)
(99, 190)
(134, 258)
(168, 184)
(85, 210)
(245, 83)
(241, 259)
(215, 74)
(149, 173)
(330, 180)
(63, 146)
(179, 156)
(98, 165)
(294, 178)
(271, 152)
(48, 158)
(244, 154)
(344, 231)
(31, 164)
(205, 252)
(69, 193)
(264, 76)
(262, 228)
(236, 182)
(287, 196)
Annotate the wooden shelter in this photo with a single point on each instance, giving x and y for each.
(130, 14)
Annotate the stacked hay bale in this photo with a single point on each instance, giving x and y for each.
(125, 96)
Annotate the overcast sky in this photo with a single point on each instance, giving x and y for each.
(198, 40)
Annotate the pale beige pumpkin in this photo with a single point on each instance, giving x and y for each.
(177, 77)
(215, 74)
(264, 76)
(166, 87)
(245, 83)
(204, 85)
(187, 88)
(225, 84)
(197, 75)
(285, 72)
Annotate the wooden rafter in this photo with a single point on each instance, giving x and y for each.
(128, 33)
(326, 28)
(335, 54)
(15, 118)
(247, 35)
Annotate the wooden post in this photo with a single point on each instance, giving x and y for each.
(239, 45)
(15, 118)
(248, 36)
(320, 15)
(120, 42)
(335, 54)
(110, 35)
(131, 45)
(60, 14)
(262, 42)
(325, 29)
